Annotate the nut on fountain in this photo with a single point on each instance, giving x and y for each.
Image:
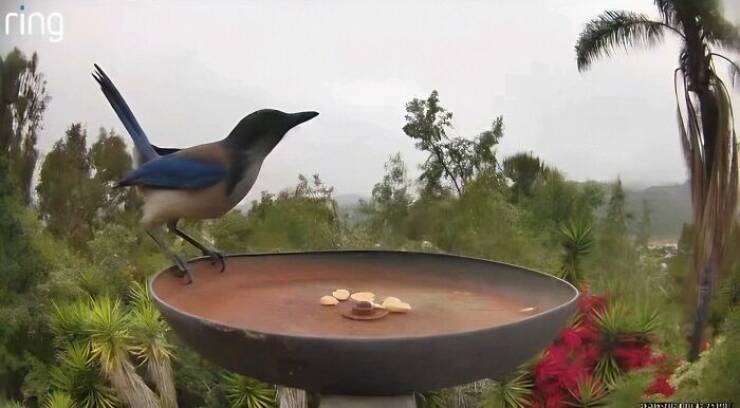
(341, 294)
(328, 300)
(395, 305)
(363, 297)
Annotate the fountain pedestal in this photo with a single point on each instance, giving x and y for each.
(349, 401)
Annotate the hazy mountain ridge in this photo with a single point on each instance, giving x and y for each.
(670, 208)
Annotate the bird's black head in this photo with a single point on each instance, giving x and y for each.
(262, 130)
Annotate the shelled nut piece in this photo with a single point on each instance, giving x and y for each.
(363, 296)
(395, 305)
(341, 294)
(328, 300)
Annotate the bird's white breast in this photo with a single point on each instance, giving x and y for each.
(161, 205)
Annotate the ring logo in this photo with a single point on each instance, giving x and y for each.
(51, 25)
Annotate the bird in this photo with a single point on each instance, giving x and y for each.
(198, 182)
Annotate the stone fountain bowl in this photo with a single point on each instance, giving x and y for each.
(470, 319)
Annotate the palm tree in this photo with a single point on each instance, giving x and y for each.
(706, 127)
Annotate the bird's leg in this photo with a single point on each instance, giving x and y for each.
(216, 256)
(155, 233)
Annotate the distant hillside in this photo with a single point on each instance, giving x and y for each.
(670, 207)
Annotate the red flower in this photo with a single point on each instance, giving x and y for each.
(632, 356)
(587, 333)
(660, 386)
(570, 337)
(591, 303)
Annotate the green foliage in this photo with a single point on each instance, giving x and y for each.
(589, 393)
(389, 208)
(23, 100)
(74, 199)
(245, 392)
(618, 321)
(24, 271)
(76, 375)
(302, 219)
(523, 169)
(457, 160)
(716, 375)
(59, 400)
(463, 226)
(11, 404)
(100, 339)
(431, 399)
(577, 241)
(515, 393)
(556, 201)
(628, 390)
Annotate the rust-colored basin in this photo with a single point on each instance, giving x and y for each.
(471, 318)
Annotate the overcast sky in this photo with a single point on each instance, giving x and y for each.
(191, 69)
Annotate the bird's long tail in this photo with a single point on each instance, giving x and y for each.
(144, 148)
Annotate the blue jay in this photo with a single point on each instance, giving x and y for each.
(199, 182)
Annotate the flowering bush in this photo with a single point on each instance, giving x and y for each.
(604, 342)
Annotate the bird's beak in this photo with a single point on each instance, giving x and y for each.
(300, 117)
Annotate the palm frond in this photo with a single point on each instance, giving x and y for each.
(718, 31)
(734, 69)
(613, 29)
(667, 10)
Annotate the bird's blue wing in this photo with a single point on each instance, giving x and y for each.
(177, 173)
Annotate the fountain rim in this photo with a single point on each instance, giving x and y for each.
(254, 333)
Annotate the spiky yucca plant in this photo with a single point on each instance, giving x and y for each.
(78, 376)
(110, 344)
(245, 392)
(150, 344)
(589, 393)
(515, 393)
(706, 125)
(100, 343)
(577, 241)
(59, 400)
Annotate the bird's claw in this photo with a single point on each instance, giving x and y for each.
(216, 256)
(185, 273)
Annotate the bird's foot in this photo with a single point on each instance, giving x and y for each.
(184, 272)
(216, 256)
